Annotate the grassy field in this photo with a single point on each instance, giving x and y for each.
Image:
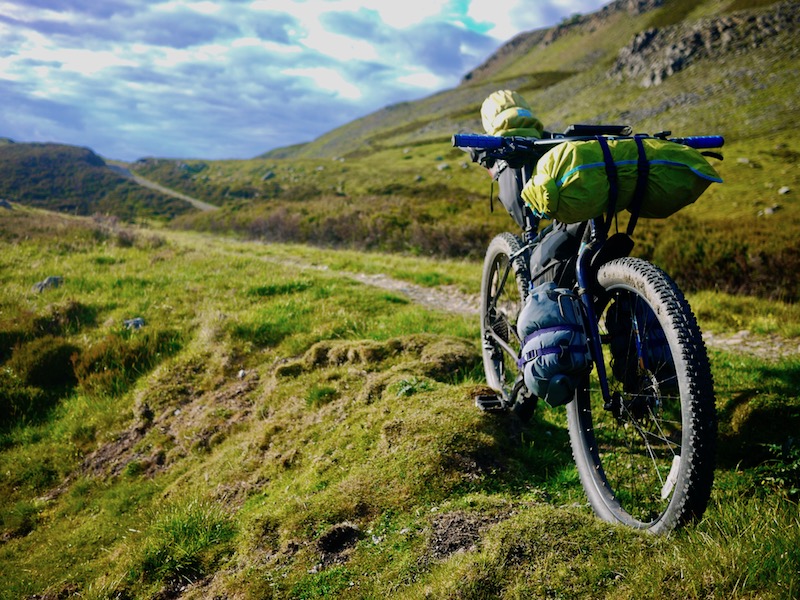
(276, 429)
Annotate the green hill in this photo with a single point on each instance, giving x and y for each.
(391, 182)
(77, 181)
(593, 68)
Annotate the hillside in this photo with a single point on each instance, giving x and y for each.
(191, 417)
(77, 181)
(391, 182)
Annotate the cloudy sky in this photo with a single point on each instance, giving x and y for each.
(234, 78)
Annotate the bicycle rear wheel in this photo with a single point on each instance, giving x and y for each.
(504, 287)
(646, 459)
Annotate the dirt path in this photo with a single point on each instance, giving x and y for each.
(121, 169)
(450, 299)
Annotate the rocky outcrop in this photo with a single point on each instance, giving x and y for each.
(655, 54)
(525, 42)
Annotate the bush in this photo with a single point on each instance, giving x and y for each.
(17, 401)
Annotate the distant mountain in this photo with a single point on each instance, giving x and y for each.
(648, 63)
(75, 180)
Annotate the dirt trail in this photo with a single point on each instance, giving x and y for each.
(120, 169)
(450, 299)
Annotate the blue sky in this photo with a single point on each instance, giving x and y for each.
(221, 79)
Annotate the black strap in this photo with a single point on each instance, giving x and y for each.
(613, 181)
(643, 172)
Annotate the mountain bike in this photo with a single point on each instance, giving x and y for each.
(642, 424)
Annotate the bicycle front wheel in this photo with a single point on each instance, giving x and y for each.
(504, 287)
(646, 458)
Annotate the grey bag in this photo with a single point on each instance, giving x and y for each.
(555, 354)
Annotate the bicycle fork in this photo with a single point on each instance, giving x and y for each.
(583, 269)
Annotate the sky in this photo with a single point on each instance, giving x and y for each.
(219, 79)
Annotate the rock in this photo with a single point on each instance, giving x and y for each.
(784, 190)
(49, 282)
(771, 210)
(5, 204)
(442, 167)
(655, 54)
(135, 323)
(743, 160)
(267, 176)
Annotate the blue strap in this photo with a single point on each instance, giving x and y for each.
(553, 329)
(643, 173)
(613, 181)
(534, 354)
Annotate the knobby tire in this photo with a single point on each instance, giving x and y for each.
(646, 459)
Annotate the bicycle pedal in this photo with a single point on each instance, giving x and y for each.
(490, 403)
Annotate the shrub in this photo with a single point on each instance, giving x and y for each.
(782, 473)
(20, 519)
(320, 395)
(65, 318)
(17, 401)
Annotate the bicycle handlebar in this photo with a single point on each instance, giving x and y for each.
(493, 142)
(477, 140)
(700, 142)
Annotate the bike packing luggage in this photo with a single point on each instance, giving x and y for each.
(555, 353)
(581, 180)
(554, 256)
(505, 112)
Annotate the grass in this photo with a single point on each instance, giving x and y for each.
(284, 431)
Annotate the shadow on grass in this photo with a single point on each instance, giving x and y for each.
(765, 414)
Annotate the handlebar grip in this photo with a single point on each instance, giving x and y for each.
(476, 140)
(700, 142)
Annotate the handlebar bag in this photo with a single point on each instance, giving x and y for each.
(571, 182)
(555, 354)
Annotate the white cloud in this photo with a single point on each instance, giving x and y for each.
(421, 79)
(205, 77)
(401, 15)
(337, 46)
(328, 79)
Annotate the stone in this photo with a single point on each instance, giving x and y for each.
(49, 282)
(135, 323)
